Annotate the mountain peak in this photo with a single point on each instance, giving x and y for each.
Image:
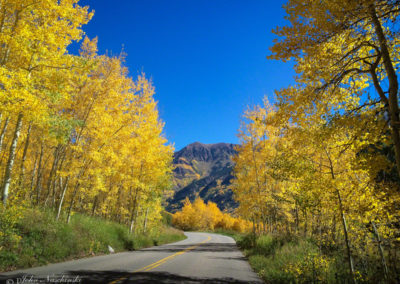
(211, 145)
(206, 152)
(203, 170)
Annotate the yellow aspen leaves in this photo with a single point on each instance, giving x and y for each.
(201, 216)
(79, 135)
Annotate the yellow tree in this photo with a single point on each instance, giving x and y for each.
(201, 216)
(33, 41)
(316, 159)
(357, 44)
(258, 183)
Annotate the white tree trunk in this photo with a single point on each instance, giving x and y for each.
(131, 226)
(11, 158)
(62, 196)
(3, 132)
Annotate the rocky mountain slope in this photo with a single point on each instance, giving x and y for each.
(203, 170)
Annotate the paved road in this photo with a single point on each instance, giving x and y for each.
(201, 258)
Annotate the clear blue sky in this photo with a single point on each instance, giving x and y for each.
(207, 58)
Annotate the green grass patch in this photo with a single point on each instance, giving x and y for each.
(33, 237)
(284, 259)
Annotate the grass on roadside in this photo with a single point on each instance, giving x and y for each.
(281, 259)
(34, 237)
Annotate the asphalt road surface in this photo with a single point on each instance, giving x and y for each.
(201, 258)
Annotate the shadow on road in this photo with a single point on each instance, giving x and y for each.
(141, 277)
(206, 247)
(89, 277)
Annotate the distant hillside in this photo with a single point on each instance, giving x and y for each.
(203, 170)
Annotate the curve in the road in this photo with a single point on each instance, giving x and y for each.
(201, 258)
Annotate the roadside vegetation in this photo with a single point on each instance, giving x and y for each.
(317, 169)
(32, 237)
(78, 138)
(293, 259)
(198, 216)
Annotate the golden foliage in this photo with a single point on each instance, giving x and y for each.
(77, 134)
(324, 160)
(201, 216)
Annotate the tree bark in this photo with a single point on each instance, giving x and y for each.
(393, 84)
(64, 189)
(94, 205)
(378, 238)
(253, 235)
(131, 225)
(39, 175)
(71, 204)
(3, 132)
(305, 222)
(22, 167)
(134, 209)
(296, 217)
(346, 236)
(11, 159)
(136, 216)
(33, 178)
(60, 166)
(145, 221)
(51, 174)
(333, 230)
(342, 214)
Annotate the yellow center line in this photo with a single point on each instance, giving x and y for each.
(162, 261)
